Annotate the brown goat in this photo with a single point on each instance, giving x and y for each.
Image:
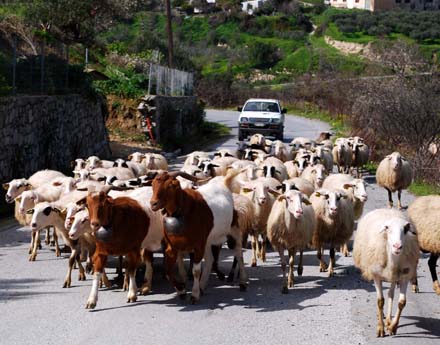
(125, 225)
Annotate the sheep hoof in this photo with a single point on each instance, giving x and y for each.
(30, 251)
(32, 257)
(145, 289)
(194, 300)
(220, 276)
(57, 253)
(331, 273)
(89, 268)
(436, 287)
(300, 270)
(243, 287)
(415, 288)
(254, 263)
(284, 289)
(290, 284)
(82, 276)
(380, 332)
(66, 284)
(39, 246)
(132, 299)
(90, 305)
(392, 329)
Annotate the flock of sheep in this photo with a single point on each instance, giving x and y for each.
(284, 193)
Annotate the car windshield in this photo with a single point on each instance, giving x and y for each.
(262, 106)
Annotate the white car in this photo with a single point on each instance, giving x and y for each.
(263, 116)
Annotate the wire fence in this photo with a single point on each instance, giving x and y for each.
(169, 82)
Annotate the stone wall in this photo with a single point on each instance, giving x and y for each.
(48, 132)
(178, 120)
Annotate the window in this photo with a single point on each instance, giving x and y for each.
(262, 106)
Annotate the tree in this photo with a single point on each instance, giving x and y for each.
(77, 21)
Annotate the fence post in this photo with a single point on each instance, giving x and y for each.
(14, 67)
(149, 79)
(67, 67)
(87, 58)
(42, 67)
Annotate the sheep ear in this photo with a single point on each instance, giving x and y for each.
(348, 185)
(56, 209)
(318, 194)
(115, 164)
(47, 210)
(63, 212)
(217, 154)
(274, 191)
(82, 201)
(282, 197)
(18, 199)
(306, 200)
(5, 186)
(407, 228)
(57, 183)
(31, 211)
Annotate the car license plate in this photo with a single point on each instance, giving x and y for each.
(259, 124)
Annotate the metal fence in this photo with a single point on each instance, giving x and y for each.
(169, 82)
(44, 69)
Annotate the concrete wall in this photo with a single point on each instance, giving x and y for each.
(178, 118)
(48, 132)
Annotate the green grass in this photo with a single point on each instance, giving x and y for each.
(355, 37)
(371, 167)
(299, 61)
(423, 188)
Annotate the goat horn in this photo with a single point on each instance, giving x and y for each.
(187, 176)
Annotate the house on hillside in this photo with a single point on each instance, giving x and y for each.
(383, 5)
(250, 6)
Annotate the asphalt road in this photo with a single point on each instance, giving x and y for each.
(35, 309)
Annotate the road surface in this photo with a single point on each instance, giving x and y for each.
(35, 309)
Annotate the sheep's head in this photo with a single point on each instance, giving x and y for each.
(332, 200)
(136, 157)
(359, 189)
(397, 231)
(207, 168)
(80, 224)
(270, 171)
(258, 139)
(395, 160)
(295, 200)
(71, 210)
(93, 162)
(15, 188)
(302, 162)
(27, 200)
(78, 164)
(320, 174)
(120, 163)
(42, 215)
(260, 192)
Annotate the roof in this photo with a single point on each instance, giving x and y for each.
(262, 100)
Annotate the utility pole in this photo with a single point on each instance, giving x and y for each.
(170, 34)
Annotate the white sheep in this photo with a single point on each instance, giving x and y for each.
(239, 176)
(290, 226)
(78, 164)
(386, 249)
(94, 162)
(356, 191)
(262, 192)
(281, 152)
(101, 174)
(301, 142)
(315, 174)
(342, 155)
(335, 223)
(297, 166)
(257, 141)
(136, 157)
(225, 153)
(216, 167)
(155, 161)
(273, 167)
(138, 169)
(424, 214)
(361, 154)
(299, 183)
(394, 173)
(194, 158)
(324, 155)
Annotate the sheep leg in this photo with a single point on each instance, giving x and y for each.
(344, 249)
(99, 261)
(380, 304)
(322, 264)
(263, 247)
(300, 263)
(199, 283)
(104, 281)
(399, 203)
(31, 246)
(55, 243)
(33, 255)
(415, 285)
(181, 268)
(331, 271)
(232, 271)
(147, 257)
(238, 257)
(216, 254)
(82, 272)
(390, 304)
(284, 287)
(54, 238)
(290, 280)
(47, 237)
(133, 259)
(432, 263)
(390, 198)
(68, 279)
(39, 240)
(170, 261)
(402, 302)
(254, 242)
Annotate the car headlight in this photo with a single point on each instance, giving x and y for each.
(244, 119)
(276, 120)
